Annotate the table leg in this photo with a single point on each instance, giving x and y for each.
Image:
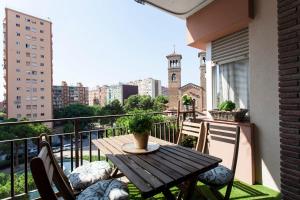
(190, 188)
(168, 195)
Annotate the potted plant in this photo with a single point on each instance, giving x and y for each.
(187, 101)
(227, 111)
(140, 124)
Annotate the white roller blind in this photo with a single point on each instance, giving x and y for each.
(231, 48)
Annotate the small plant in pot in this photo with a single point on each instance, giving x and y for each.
(187, 101)
(140, 124)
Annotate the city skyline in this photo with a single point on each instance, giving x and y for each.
(98, 50)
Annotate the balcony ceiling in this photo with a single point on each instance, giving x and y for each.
(180, 8)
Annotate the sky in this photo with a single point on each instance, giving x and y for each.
(99, 42)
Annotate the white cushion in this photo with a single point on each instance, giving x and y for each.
(105, 190)
(87, 174)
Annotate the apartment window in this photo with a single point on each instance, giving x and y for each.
(34, 107)
(18, 79)
(42, 56)
(33, 38)
(18, 61)
(18, 106)
(19, 116)
(33, 29)
(42, 106)
(34, 72)
(34, 89)
(41, 31)
(28, 37)
(28, 115)
(28, 89)
(18, 88)
(18, 70)
(17, 43)
(34, 98)
(42, 97)
(17, 25)
(27, 63)
(27, 45)
(42, 81)
(33, 21)
(18, 52)
(42, 114)
(18, 98)
(42, 89)
(34, 64)
(17, 16)
(27, 28)
(34, 81)
(42, 48)
(27, 54)
(28, 107)
(28, 80)
(230, 82)
(33, 46)
(41, 23)
(41, 39)
(18, 34)
(42, 73)
(42, 64)
(33, 55)
(34, 115)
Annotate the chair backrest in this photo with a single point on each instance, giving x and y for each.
(45, 173)
(223, 139)
(197, 130)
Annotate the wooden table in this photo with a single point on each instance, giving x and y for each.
(158, 171)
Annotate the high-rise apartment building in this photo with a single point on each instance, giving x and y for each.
(64, 95)
(120, 92)
(97, 96)
(148, 86)
(27, 66)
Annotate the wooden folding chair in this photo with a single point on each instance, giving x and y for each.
(197, 130)
(221, 137)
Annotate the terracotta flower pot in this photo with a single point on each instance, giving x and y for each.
(141, 140)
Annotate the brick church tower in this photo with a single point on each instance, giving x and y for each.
(174, 79)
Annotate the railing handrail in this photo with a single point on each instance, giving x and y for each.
(72, 119)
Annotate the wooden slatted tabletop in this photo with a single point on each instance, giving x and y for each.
(158, 171)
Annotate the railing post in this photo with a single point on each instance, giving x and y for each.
(12, 178)
(76, 131)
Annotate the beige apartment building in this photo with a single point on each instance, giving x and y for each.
(27, 66)
(97, 96)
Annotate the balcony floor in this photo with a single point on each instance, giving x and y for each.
(240, 191)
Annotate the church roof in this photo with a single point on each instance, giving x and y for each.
(174, 54)
(184, 87)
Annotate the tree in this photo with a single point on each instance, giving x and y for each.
(140, 102)
(21, 131)
(160, 103)
(75, 110)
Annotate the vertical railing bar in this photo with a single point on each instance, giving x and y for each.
(76, 130)
(72, 167)
(169, 131)
(61, 151)
(12, 178)
(160, 130)
(106, 137)
(81, 150)
(38, 145)
(26, 166)
(173, 133)
(155, 130)
(98, 136)
(165, 136)
(90, 137)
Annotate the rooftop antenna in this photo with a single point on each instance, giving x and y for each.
(174, 46)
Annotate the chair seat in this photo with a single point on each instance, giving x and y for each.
(218, 176)
(89, 173)
(105, 190)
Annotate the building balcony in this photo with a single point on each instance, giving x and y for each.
(16, 154)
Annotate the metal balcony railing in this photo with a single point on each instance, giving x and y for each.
(69, 148)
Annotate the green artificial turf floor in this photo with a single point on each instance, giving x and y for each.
(240, 191)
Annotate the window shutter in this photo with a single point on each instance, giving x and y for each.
(231, 48)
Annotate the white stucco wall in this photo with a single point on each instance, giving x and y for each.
(264, 100)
